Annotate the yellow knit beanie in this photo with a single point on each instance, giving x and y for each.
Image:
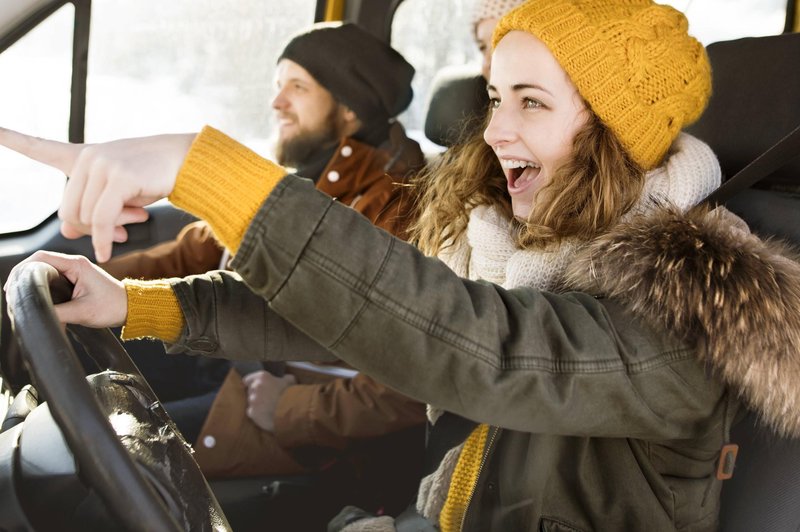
(631, 60)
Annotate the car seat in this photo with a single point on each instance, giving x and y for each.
(457, 98)
(755, 103)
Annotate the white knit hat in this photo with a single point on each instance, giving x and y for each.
(491, 9)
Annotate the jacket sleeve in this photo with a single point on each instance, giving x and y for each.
(523, 359)
(225, 319)
(333, 413)
(194, 250)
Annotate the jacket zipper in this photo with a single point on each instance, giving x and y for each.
(484, 458)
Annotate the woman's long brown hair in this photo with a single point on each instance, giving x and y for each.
(585, 197)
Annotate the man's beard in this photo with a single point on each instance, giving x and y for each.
(298, 149)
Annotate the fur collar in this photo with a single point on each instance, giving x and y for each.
(731, 296)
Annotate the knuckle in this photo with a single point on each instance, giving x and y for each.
(87, 155)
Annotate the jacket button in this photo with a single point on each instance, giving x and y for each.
(346, 151)
(209, 442)
(333, 176)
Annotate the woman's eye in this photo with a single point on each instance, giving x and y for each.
(494, 103)
(530, 103)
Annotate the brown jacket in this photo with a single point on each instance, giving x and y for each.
(194, 250)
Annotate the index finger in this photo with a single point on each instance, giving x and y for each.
(59, 155)
(105, 214)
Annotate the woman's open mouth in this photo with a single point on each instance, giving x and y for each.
(520, 174)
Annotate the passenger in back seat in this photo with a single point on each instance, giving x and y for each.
(485, 16)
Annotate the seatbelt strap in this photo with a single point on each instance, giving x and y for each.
(774, 158)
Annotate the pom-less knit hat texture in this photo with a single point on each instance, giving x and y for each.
(357, 68)
(633, 61)
(484, 9)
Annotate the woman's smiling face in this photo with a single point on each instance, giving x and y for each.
(536, 113)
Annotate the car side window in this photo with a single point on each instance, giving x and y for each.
(723, 20)
(35, 98)
(175, 66)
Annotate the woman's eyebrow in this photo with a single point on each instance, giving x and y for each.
(521, 86)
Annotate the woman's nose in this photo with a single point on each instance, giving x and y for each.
(501, 128)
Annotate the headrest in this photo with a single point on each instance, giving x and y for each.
(755, 102)
(456, 95)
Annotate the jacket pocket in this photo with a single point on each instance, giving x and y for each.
(552, 524)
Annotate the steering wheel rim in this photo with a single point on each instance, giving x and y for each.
(103, 460)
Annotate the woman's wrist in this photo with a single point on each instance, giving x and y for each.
(153, 311)
(224, 183)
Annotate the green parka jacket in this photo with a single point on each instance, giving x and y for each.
(614, 400)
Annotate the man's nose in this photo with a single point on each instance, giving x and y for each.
(280, 102)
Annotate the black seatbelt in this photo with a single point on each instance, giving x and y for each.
(774, 158)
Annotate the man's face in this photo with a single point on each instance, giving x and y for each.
(309, 118)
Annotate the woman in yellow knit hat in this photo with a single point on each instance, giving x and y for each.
(607, 358)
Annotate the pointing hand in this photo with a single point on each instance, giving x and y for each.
(109, 183)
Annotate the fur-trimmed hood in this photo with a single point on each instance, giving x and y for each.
(733, 297)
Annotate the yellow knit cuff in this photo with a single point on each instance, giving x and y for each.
(153, 311)
(224, 183)
(464, 479)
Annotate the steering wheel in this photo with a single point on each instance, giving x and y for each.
(141, 468)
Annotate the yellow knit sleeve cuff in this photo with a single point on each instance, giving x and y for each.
(153, 311)
(224, 183)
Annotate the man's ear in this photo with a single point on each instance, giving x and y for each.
(349, 120)
(348, 114)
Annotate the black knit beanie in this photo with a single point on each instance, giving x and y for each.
(358, 69)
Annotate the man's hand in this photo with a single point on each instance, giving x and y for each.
(264, 390)
(98, 299)
(109, 183)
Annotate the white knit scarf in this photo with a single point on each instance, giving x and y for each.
(488, 251)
